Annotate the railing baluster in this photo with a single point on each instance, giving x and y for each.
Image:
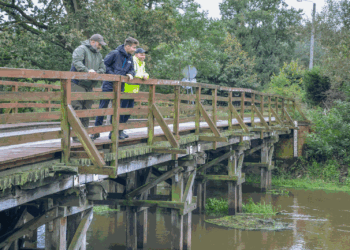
(15, 88)
(242, 104)
(282, 114)
(215, 100)
(115, 122)
(252, 110)
(151, 101)
(65, 127)
(262, 104)
(214, 104)
(269, 98)
(197, 119)
(230, 116)
(176, 126)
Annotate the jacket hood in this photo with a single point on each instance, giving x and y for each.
(87, 44)
(122, 50)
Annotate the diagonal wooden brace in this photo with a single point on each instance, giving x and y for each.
(301, 112)
(210, 122)
(239, 118)
(289, 118)
(278, 119)
(81, 231)
(84, 138)
(261, 117)
(151, 184)
(215, 161)
(168, 134)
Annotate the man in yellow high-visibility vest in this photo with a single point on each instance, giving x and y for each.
(140, 71)
(139, 64)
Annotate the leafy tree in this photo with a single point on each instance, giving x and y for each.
(316, 86)
(226, 65)
(266, 30)
(289, 81)
(334, 29)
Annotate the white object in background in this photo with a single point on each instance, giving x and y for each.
(295, 135)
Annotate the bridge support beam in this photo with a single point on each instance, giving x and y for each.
(235, 187)
(177, 218)
(131, 214)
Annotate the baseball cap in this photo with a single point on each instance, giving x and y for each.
(98, 38)
(140, 50)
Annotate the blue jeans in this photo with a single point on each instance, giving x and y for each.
(128, 103)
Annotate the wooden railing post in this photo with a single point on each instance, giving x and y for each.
(270, 110)
(230, 115)
(252, 110)
(15, 88)
(242, 104)
(176, 125)
(115, 123)
(214, 104)
(282, 114)
(65, 127)
(151, 101)
(197, 119)
(262, 104)
(49, 102)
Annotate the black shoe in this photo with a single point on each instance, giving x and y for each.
(125, 135)
(95, 136)
(121, 135)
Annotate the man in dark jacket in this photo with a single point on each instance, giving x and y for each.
(119, 62)
(87, 58)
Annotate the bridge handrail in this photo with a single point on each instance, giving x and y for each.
(198, 104)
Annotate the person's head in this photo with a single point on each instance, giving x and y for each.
(130, 45)
(140, 54)
(96, 41)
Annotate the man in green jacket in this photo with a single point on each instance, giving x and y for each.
(87, 58)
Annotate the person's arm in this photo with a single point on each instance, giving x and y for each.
(131, 70)
(78, 58)
(108, 62)
(102, 67)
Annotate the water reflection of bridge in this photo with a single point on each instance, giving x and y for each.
(174, 138)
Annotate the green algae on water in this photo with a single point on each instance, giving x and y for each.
(250, 222)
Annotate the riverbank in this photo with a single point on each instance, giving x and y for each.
(305, 182)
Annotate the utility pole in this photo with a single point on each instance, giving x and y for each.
(312, 38)
(311, 64)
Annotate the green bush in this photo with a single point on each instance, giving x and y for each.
(316, 86)
(331, 136)
(258, 208)
(288, 82)
(216, 206)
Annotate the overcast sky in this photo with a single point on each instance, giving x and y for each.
(212, 6)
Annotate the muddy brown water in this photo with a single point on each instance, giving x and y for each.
(320, 220)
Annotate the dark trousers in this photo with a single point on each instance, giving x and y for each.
(128, 103)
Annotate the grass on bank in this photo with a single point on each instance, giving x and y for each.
(219, 207)
(104, 210)
(308, 176)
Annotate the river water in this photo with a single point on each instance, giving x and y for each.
(319, 219)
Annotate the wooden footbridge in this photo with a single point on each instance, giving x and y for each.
(47, 179)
